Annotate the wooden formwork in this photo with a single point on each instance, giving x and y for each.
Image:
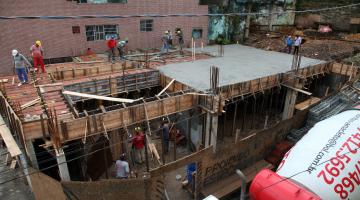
(175, 87)
(71, 129)
(78, 70)
(14, 121)
(343, 69)
(116, 84)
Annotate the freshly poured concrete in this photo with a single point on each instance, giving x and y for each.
(239, 64)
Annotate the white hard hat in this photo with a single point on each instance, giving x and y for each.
(14, 52)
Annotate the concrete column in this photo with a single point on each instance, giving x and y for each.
(214, 130)
(207, 130)
(24, 165)
(289, 106)
(31, 154)
(188, 124)
(62, 164)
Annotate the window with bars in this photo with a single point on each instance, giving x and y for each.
(100, 32)
(146, 25)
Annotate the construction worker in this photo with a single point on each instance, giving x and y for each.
(170, 39)
(289, 42)
(165, 135)
(122, 168)
(111, 45)
(297, 44)
(37, 53)
(165, 41)
(139, 143)
(180, 36)
(20, 63)
(121, 45)
(89, 52)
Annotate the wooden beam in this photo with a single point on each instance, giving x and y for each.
(168, 85)
(297, 89)
(30, 103)
(50, 85)
(9, 140)
(91, 96)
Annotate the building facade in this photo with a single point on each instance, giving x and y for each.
(71, 37)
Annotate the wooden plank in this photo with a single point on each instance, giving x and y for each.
(91, 96)
(307, 103)
(297, 89)
(9, 140)
(230, 184)
(30, 103)
(168, 85)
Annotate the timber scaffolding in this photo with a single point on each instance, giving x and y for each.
(42, 110)
(28, 105)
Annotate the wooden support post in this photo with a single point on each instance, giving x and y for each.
(237, 135)
(234, 120)
(248, 20)
(42, 126)
(207, 130)
(163, 147)
(175, 148)
(289, 106)
(146, 153)
(189, 134)
(106, 161)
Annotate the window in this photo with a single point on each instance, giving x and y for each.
(146, 25)
(197, 33)
(100, 32)
(76, 29)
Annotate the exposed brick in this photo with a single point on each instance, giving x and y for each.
(59, 41)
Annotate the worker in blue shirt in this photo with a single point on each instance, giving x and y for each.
(289, 43)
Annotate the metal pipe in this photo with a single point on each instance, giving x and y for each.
(243, 184)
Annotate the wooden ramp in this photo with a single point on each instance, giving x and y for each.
(228, 185)
(9, 140)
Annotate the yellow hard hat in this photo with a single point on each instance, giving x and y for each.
(38, 42)
(166, 32)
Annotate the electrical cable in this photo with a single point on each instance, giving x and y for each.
(177, 15)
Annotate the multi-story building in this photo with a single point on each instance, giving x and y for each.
(71, 37)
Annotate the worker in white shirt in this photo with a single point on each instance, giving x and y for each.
(121, 47)
(297, 44)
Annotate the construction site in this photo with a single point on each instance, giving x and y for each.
(229, 104)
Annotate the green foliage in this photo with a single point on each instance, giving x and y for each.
(222, 40)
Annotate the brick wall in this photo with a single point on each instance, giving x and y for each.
(59, 41)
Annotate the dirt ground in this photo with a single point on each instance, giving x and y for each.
(325, 48)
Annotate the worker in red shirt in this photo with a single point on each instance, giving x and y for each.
(139, 144)
(37, 55)
(111, 45)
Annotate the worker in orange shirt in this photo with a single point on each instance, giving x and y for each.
(37, 53)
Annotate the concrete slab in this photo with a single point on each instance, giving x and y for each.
(239, 64)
